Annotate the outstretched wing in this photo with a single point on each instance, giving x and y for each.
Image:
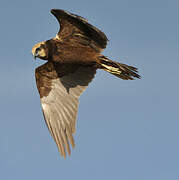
(60, 86)
(74, 27)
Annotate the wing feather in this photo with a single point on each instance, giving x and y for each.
(74, 27)
(59, 87)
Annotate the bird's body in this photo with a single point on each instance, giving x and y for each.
(73, 57)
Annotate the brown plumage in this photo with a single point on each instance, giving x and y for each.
(73, 57)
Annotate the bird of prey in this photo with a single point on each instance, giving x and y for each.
(73, 56)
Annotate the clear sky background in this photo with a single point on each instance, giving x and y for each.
(126, 130)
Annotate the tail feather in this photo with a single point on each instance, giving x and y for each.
(120, 70)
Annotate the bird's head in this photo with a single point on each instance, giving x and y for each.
(40, 50)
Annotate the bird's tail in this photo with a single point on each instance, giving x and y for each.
(122, 71)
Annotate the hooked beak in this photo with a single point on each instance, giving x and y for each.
(35, 55)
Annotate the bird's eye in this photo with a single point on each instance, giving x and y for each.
(38, 49)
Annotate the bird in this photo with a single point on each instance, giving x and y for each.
(72, 56)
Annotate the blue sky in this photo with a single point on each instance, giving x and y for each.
(125, 129)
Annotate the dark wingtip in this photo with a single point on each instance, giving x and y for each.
(53, 11)
(57, 13)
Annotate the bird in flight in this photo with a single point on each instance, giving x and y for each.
(72, 56)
